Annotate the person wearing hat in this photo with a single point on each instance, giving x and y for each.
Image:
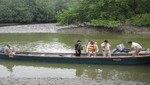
(92, 49)
(135, 47)
(106, 48)
(78, 48)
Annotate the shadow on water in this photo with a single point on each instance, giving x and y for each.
(59, 70)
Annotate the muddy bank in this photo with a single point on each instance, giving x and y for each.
(126, 28)
(130, 29)
(81, 30)
(33, 28)
(65, 81)
(72, 29)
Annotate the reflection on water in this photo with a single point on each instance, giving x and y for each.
(36, 72)
(40, 72)
(20, 69)
(4, 71)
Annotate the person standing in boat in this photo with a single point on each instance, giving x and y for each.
(92, 49)
(78, 48)
(106, 48)
(135, 47)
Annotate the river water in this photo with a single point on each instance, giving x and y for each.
(62, 42)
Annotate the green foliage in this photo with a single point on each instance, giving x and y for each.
(68, 16)
(74, 11)
(108, 13)
(6, 13)
(141, 20)
(105, 23)
(27, 11)
(44, 11)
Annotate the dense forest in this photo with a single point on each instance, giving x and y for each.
(27, 11)
(106, 13)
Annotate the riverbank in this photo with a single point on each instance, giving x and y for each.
(72, 29)
(65, 81)
(33, 28)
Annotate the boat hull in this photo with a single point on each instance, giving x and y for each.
(115, 60)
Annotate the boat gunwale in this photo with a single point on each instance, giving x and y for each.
(97, 57)
(72, 52)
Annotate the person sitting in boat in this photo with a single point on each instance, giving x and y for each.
(106, 48)
(92, 49)
(1, 49)
(135, 47)
(78, 48)
(8, 50)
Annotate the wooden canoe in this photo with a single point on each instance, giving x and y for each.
(115, 59)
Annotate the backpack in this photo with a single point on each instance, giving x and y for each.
(121, 47)
(78, 46)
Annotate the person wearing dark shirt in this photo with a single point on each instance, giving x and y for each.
(78, 48)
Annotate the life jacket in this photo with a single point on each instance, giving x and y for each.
(92, 47)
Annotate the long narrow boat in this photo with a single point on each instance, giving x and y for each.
(116, 59)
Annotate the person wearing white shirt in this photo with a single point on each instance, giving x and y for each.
(136, 47)
(9, 50)
(106, 48)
